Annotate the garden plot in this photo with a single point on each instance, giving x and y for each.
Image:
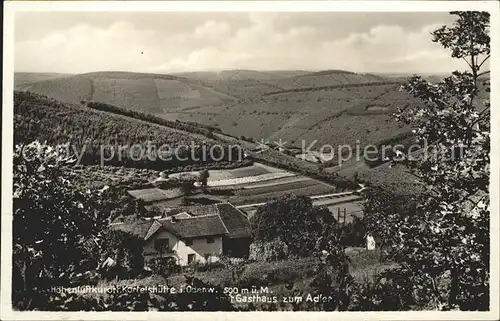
(250, 196)
(241, 176)
(259, 183)
(249, 179)
(275, 182)
(225, 174)
(286, 187)
(248, 171)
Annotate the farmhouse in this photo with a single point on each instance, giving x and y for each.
(201, 234)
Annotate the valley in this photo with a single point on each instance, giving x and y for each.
(303, 109)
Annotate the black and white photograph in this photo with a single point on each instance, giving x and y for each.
(242, 157)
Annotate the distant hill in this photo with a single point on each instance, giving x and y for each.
(240, 74)
(152, 93)
(327, 78)
(405, 76)
(243, 83)
(22, 78)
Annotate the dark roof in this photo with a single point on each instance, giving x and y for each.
(222, 219)
(172, 207)
(195, 227)
(182, 215)
(235, 221)
(155, 226)
(164, 206)
(139, 228)
(199, 210)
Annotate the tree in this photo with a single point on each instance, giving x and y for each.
(203, 178)
(294, 220)
(333, 278)
(125, 249)
(468, 39)
(187, 186)
(51, 221)
(382, 208)
(184, 201)
(332, 281)
(443, 244)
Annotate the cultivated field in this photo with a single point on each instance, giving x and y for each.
(232, 174)
(251, 184)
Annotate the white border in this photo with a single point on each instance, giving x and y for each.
(311, 6)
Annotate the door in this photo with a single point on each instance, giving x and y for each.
(191, 258)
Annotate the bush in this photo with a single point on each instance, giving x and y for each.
(293, 220)
(217, 165)
(204, 267)
(277, 272)
(268, 251)
(163, 266)
(391, 290)
(354, 233)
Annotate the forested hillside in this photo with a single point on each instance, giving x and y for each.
(96, 133)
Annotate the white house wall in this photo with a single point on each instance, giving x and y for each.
(199, 248)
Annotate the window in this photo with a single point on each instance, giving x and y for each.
(189, 242)
(191, 258)
(162, 245)
(210, 239)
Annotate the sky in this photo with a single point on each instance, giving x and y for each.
(167, 42)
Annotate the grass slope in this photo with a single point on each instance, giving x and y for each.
(338, 116)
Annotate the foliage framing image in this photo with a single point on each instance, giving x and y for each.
(441, 240)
